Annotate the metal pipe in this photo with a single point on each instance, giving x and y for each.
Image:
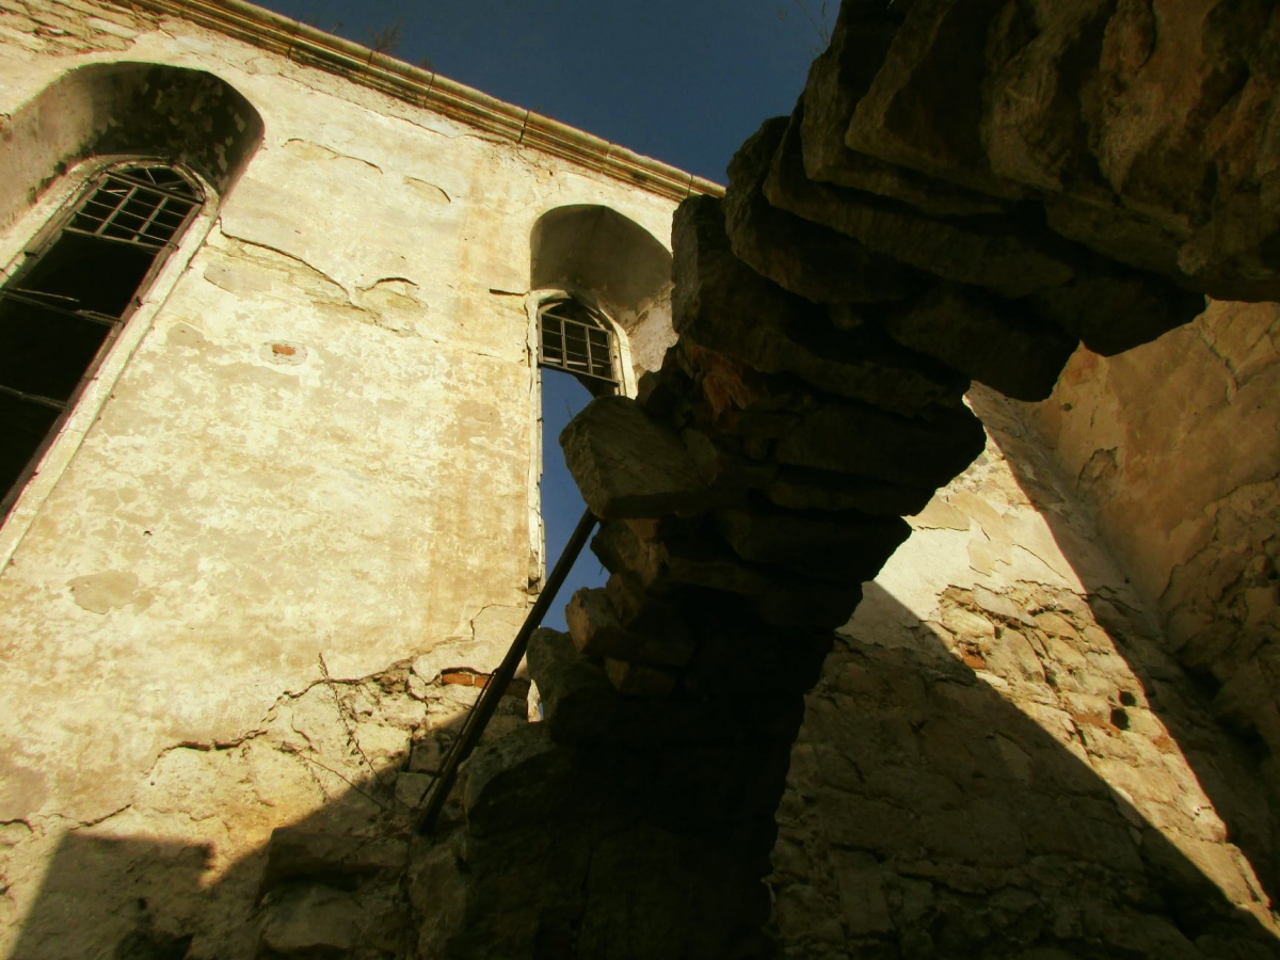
(483, 709)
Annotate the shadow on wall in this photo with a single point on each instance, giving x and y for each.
(597, 250)
(1226, 767)
(1187, 490)
(133, 109)
(156, 881)
(928, 816)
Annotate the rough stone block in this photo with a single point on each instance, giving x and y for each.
(1039, 95)
(628, 465)
(738, 655)
(1117, 310)
(597, 632)
(798, 488)
(666, 565)
(990, 251)
(1101, 223)
(838, 79)
(851, 438)
(638, 680)
(575, 692)
(721, 304)
(989, 340)
(1164, 73)
(733, 398)
(772, 595)
(805, 603)
(941, 45)
(812, 261)
(838, 547)
(728, 472)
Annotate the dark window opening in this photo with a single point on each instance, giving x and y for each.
(67, 302)
(575, 339)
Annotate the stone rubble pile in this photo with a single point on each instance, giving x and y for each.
(964, 192)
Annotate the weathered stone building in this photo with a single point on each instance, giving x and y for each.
(271, 544)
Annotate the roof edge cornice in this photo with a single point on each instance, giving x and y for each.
(309, 46)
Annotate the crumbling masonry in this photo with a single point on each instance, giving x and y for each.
(1015, 754)
(964, 193)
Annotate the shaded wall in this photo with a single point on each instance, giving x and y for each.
(1002, 758)
(1176, 447)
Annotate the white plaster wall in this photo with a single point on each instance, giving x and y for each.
(229, 519)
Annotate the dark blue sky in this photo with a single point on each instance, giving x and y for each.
(683, 82)
(562, 397)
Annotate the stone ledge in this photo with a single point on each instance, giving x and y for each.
(424, 88)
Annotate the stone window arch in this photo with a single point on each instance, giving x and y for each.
(590, 264)
(617, 268)
(196, 134)
(67, 300)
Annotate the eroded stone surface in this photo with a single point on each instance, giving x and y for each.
(1000, 758)
(628, 465)
(987, 726)
(1187, 492)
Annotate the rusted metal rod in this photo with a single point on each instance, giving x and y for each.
(482, 711)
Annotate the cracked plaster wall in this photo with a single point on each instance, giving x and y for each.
(1001, 752)
(321, 451)
(1187, 493)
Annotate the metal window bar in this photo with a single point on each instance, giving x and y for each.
(37, 298)
(180, 200)
(482, 710)
(576, 346)
(8, 498)
(129, 209)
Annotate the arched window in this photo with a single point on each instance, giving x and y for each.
(576, 339)
(70, 296)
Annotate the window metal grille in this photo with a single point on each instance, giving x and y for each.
(575, 339)
(67, 302)
(143, 205)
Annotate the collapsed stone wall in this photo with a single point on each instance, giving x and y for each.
(1187, 492)
(759, 482)
(999, 755)
(292, 839)
(965, 192)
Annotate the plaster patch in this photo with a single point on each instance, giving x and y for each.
(103, 592)
(395, 302)
(185, 335)
(23, 787)
(426, 191)
(940, 515)
(237, 279)
(309, 150)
